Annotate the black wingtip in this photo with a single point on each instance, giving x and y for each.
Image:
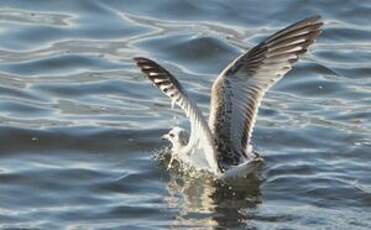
(313, 18)
(139, 60)
(144, 61)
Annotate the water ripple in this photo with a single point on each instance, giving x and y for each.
(80, 126)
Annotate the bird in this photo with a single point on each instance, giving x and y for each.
(222, 145)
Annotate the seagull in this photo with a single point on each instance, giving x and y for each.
(222, 145)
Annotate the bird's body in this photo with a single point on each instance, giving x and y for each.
(223, 144)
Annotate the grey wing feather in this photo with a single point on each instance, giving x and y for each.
(239, 90)
(170, 86)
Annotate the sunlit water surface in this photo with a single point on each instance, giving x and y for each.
(80, 126)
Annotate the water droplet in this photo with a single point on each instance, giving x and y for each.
(172, 104)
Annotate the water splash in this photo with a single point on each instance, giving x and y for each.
(173, 104)
(172, 108)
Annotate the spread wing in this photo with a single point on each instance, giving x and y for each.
(170, 86)
(239, 90)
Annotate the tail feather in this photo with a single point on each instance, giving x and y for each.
(244, 169)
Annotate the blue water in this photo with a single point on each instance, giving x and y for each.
(80, 126)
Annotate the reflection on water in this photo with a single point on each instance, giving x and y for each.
(202, 201)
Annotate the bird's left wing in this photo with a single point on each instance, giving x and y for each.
(170, 86)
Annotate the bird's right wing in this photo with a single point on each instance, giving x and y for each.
(170, 86)
(238, 91)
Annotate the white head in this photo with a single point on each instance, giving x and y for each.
(178, 138)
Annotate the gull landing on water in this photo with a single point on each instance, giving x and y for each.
(223, 145)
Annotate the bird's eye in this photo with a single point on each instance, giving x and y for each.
(171, 135)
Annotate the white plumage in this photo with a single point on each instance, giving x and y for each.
(223, 144)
